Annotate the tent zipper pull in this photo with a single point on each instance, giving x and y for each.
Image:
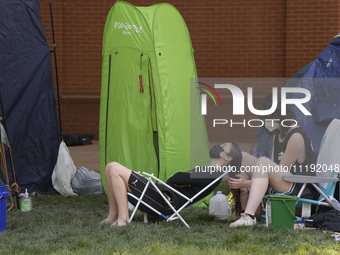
(141, 84)
(140, 76)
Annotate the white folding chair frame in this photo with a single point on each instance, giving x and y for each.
(176, 213)
(314, 180)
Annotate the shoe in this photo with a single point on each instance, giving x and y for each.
(245, 220)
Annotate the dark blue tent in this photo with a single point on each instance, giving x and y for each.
(321, 78)
(26, 84)
(264, 147)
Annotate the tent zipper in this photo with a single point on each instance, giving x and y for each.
(154, 122)
(140, 76)
(107, 108)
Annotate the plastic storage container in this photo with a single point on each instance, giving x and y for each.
(3, 206)
(219, 206)
(280, 211)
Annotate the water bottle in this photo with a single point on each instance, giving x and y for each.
(219, 206)
(26, 203)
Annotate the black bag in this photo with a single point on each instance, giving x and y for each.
(78, 139)
(327, 218)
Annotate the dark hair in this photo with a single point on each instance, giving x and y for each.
(267, 103)
(236, 163)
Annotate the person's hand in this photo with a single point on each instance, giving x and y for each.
(238, 183)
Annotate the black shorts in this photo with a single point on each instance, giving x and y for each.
(136, 185)
(295, 189)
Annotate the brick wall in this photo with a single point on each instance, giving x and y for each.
(231, 39)
(311, 25)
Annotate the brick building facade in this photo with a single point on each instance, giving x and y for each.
(254, 39)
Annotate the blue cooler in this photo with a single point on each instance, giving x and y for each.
(3, 206)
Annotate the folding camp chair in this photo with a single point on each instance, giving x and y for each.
(327, 169)
(4, 179)
(176, 212)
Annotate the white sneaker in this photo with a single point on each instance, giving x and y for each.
(245, 220)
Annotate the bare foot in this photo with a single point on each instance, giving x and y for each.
(108, 220)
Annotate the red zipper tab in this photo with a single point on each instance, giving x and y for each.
(141, 84)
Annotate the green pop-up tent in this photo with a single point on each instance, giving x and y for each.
(150, 113)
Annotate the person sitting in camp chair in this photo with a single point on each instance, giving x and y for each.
(292, 153)
(120, 180)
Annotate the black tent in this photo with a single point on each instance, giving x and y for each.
(26, 83)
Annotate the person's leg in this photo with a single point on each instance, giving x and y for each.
(251, 201)
(263, 172)
(257, 190)
(248, 161)
(267, 172)
(117, 177)
(244, 198)
(244, 192)
(113, 210)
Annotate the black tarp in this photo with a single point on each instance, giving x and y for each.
(26, 83)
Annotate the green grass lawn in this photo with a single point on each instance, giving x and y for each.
(69, 225)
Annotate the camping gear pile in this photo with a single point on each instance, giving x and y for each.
(69, 180)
